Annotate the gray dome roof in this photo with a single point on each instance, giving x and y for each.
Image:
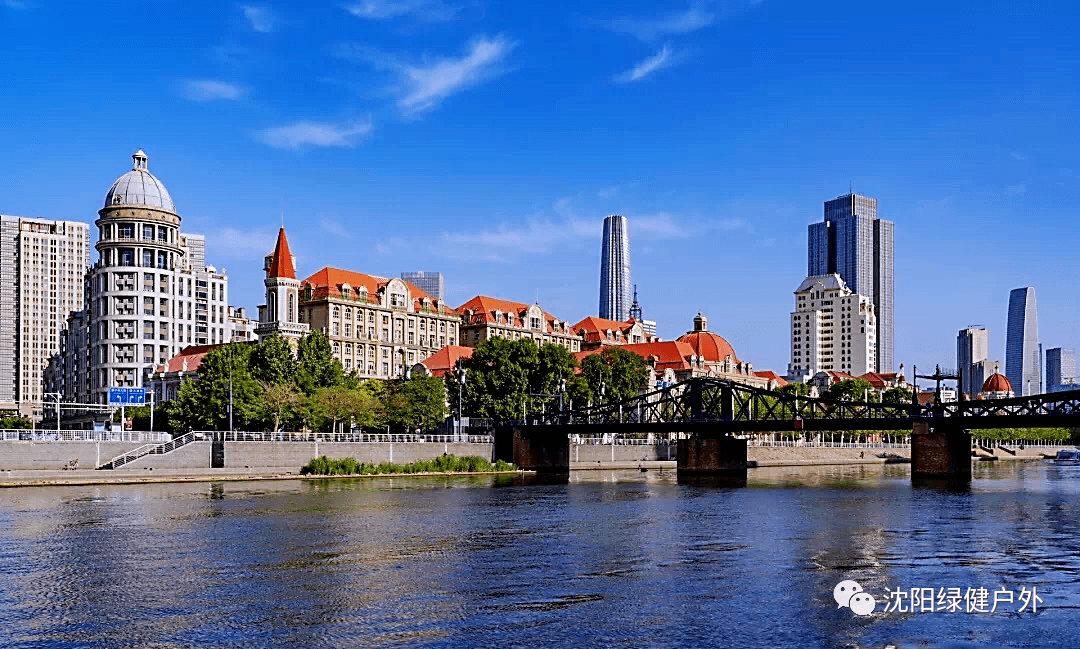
(140, 187)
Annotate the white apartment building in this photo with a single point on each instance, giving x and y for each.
(151, 293)
(832, 329)
(42, 266)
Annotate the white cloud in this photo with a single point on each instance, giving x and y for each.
(335, 228)
(661, 59)
(307, 133)
(210, 90)
(14, 4)
(691, 20)
(242, 245)
(424, 86)
(431, 10)
(261, 18)
(1016, 155)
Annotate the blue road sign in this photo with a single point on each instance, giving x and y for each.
(127, 396)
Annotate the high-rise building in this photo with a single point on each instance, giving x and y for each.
(972, 348)
(832, 329)
(428, 281)
(42, 266)
(854, 243)
(615, 283)
(1061, 369)
(1022, 350)
(151, 293)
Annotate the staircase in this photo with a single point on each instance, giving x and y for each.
(151, 449)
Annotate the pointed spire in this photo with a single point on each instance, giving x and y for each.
(281, 262)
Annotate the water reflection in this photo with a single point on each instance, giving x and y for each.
(609, 558)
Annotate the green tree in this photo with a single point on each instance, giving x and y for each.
(317, 367)
(334, 408)
(898, 395)
(281, 404)
(555, 363)
(853, 390)
(419, 403)
(623, 373)
(497, 382)
(205, 404)
(16, 422)
(272, 361)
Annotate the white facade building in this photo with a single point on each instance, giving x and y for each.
(832, 329)
(42, 266)
(151, 293)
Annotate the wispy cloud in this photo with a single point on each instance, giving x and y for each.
(307, 133)
(13, 4)
(661, 59)
(429, 10)
(647, 29)
(260, 18)
(424, 86)
(243, 245)
(210, 90)
(1016, 155)
(335, 228)
(1016, 190)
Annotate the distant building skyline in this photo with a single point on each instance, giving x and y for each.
(615, 280)
(854, 243)
(431, 282)
(1023, 353)
(972, 359)
(1060, 369)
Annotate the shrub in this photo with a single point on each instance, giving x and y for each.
(443, 464)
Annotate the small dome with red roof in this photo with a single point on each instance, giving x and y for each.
(997, 383)
(707, 345)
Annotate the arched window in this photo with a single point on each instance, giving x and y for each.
(292, 308)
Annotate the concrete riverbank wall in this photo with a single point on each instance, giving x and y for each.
(275, 456)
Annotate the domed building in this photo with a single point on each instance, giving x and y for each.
(716, 357)
(997, 387)
(151, 293)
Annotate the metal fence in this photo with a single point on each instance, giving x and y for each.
(356, 436)
(84, 436)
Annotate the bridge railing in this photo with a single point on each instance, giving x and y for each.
(355, 437)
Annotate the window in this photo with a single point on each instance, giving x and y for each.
(148, 232)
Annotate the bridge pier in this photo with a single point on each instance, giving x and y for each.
(533, 452)
(940, 452)
(711, 456)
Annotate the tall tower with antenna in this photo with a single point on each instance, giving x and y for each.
(615, 284)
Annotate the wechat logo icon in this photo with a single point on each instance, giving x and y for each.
(850, 594)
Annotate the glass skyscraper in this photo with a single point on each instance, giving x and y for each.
(1060, 369)
(616, 289)
(854, 243)
(1022, 351)
(430, 282)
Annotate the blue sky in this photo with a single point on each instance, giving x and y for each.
(488, 140)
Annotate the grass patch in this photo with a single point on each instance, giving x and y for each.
(442, 464)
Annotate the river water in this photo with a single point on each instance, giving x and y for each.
(612, 559)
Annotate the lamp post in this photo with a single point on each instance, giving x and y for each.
(56, 395)
(461, 386)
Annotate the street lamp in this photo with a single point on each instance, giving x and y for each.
(460, 388)
(56, 395)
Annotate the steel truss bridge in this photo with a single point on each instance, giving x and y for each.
(709, 407)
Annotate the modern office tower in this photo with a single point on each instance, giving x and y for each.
(858, 246)
(42, 265)
(832, 329)
(615, 284)
(1022, 350)
(1060, 369)
(150, 293)
(428, 281)
(972, 346)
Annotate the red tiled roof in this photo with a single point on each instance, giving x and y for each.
(997, 383)
(328, 280)
(485, 307)
(712, 347)
(669, 353)
(772, 376)
(446, 359)
(281, 264)
(193, 355)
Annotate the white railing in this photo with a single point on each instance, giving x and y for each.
(385, 438)
(156, 449)
(619, 440)
(84, 436)
(803, 443)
